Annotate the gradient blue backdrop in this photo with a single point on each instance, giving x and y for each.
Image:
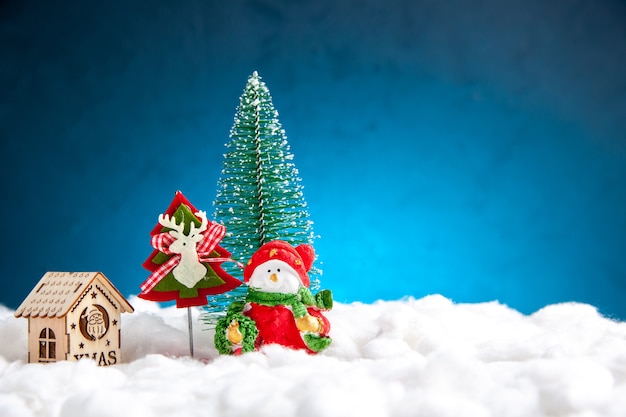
(475, 149)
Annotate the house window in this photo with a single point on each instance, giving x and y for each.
(47, 346)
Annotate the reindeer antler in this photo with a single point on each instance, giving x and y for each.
(167, 221)
(205, 223)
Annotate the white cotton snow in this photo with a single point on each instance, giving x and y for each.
(425, 357)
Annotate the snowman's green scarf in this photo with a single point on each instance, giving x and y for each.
(297, 301)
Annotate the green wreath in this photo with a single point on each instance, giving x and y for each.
(247, 327)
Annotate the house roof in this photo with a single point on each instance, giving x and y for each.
(57, 292)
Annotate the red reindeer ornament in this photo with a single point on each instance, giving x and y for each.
(186, 262)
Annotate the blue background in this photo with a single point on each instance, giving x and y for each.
(475, 149)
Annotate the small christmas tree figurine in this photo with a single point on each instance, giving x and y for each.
(259, 197)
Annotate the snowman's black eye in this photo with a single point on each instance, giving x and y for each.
(278, 270)
(269, 270)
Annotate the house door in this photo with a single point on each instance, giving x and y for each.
(47, 346)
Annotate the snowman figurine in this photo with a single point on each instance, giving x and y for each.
(279, 307)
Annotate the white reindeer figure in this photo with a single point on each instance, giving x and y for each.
(189, 270)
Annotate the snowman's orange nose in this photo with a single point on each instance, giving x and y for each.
(274, 278)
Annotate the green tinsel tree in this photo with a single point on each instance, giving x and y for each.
(259, 196)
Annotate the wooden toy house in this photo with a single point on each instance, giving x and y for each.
(74, 315)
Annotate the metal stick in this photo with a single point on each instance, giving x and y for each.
(190, 331)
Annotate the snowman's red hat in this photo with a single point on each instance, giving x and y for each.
(299, 258)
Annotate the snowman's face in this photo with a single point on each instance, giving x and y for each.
(275, 276)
